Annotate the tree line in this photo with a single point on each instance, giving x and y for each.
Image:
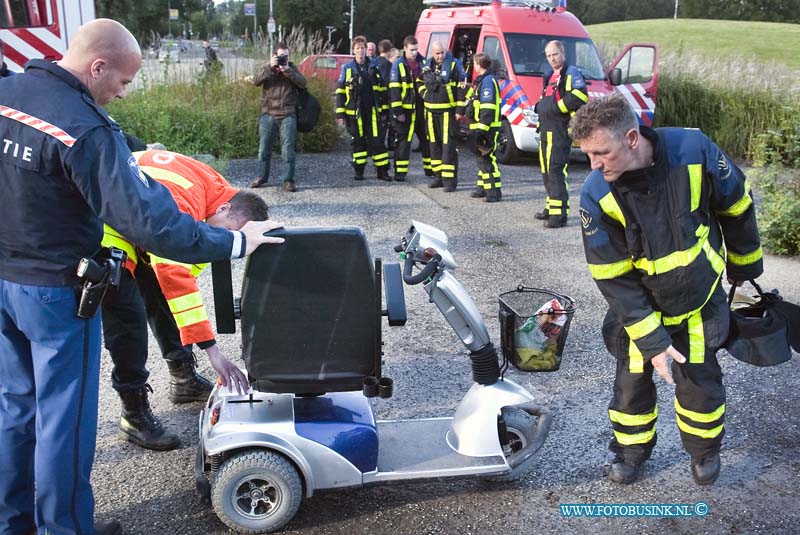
(379, 19)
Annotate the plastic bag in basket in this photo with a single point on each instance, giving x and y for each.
(537, 339)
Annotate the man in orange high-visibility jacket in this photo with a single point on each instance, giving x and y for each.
(168, 298)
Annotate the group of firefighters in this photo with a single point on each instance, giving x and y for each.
(429, 97)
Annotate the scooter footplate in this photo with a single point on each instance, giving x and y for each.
(417, 449)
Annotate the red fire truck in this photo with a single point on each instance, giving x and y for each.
(514, 34)
(40, 28)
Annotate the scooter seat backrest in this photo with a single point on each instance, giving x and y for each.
(310, 312)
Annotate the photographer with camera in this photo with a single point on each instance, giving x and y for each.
(484, 97)
(280, 83)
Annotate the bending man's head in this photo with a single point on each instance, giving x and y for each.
(243, 207)
(608, 132)
(105, 57)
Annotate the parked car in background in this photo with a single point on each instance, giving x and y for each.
(325, 67)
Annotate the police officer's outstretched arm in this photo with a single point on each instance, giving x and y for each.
(115, 189)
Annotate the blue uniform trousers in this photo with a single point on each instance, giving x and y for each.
(49, 373)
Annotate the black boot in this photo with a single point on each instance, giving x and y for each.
(450, 185)
(139, 425)
(706, 470)
(478, 193)
(493, 195)
(555, 221)
(436, 183)
(110, 527)
(623, 472)
(185, 384)
(544, 215)
(399, 177)
(383, 173)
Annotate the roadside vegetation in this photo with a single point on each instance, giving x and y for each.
(739, 82)
(217, 112)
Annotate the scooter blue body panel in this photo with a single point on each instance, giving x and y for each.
(343, 422)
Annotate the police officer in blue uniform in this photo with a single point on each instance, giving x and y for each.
(65, 169)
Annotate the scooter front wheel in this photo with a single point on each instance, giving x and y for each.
(519, 428)
(256, 491)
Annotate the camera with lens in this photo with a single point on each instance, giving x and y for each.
(98, 274)
(283, 60)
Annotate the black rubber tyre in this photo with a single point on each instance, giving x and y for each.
(256, 491)
(507, 151)
(519, 426)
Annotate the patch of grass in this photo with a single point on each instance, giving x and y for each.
(761, 42)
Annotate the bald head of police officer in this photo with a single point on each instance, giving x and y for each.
(66, 169)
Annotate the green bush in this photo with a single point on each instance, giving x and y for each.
(212, 115)
(736, 118)
(780, 144)
(778, 209)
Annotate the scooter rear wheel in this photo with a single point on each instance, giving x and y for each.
(519, 427)
(256, 491)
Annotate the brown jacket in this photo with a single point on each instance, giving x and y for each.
(279, 89)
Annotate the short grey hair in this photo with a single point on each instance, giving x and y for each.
(611, 112)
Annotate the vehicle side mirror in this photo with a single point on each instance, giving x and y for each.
(615, 76)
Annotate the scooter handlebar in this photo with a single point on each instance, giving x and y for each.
(423, 275)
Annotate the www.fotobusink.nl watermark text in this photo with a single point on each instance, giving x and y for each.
(576, 510)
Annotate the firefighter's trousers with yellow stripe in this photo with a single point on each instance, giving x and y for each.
(699, 402)
(554, 148)
(415, 123)
(442, 135)
(126, 311)
(488, 171)
(368, 135)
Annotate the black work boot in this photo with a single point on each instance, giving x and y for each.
(399, 177)
(358, 171)
(478, 193)
(139, 425)
(436, 183)
(493, 195)
(110, 527)
(544, 215)
(555, 221)
(706, 470)
(450, 185)
(185, 384)
(623, 472)
(383, 173)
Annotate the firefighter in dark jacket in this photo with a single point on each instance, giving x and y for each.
(66, 171)
(360, 105)
(664, 212)
(563, 93)
(407, 108)
(484, 97)
(441, 86)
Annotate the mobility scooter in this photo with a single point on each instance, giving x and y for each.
(311, 317)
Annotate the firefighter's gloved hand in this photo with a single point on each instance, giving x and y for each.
(661, 363)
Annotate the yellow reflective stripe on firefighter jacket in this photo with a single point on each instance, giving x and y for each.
(658, 239)
(360, 88)
(402, 89)
(484, 98)
(438, 85)
(112, 238)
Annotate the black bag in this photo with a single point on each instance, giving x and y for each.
(308, 110)
(761, 333)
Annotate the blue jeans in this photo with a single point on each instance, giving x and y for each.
(49, 374)
(267, 127)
